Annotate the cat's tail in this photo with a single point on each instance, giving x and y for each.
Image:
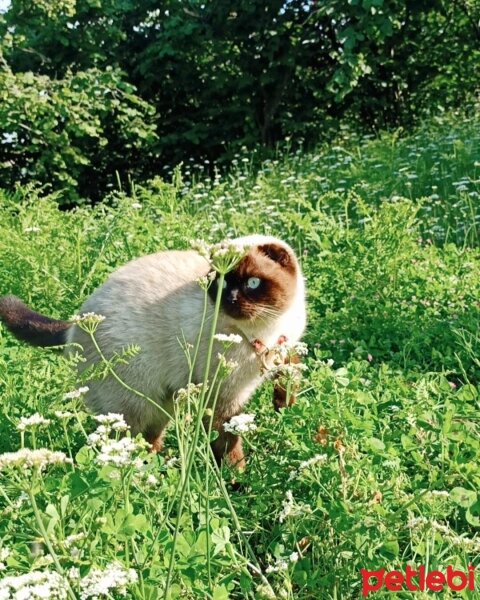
(30, 326)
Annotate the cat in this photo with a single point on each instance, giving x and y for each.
(155, 302)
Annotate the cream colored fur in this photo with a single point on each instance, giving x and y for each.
(155, 303)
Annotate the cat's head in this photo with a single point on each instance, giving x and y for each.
(265, 282)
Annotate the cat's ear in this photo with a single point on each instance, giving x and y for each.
(278, 254)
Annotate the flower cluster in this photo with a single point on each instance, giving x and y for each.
(239, 424)
(34, 420)
(88, 321)
(233, 338)
(76, 393)
(71, 540)
(291, 508)
(205, 281)
(281, 361)
(114, 421)
(4, 554)
(63, 414)
(282, 564)
(119, 453)
(89, 317)
(467, 544)
(192, 390)
(283, 351)
(33, 585)
(223, 257)
(116, 452)
(289, 373)
(36, 459)
(306, 464)
(103, 582)
(226, 366)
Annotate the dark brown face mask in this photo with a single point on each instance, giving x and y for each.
(262, 285)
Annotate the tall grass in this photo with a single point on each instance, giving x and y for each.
(376, 465)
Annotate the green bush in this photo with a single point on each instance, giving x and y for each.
(80, 134)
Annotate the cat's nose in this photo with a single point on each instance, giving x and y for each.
(233, 296)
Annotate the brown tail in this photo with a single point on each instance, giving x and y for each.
(29, 326)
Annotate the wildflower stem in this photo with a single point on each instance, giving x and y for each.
(236, 521)
(120, 380)
(196, 434)
(47, 541)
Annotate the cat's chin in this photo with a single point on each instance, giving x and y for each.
(236, 312)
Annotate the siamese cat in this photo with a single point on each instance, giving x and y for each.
(155, 302)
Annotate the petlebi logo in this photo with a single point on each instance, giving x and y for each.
(417, 580)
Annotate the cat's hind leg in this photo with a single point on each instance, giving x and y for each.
(229, 446)
(154, 436)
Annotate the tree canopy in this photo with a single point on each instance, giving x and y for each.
(92, 90)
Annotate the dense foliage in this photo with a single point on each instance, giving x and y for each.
(119, 89)
(376, 465)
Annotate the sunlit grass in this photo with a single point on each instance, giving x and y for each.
(375, 466)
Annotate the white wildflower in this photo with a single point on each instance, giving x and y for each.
(33, 421)
(136, 205)
(87, 318)
(289, 372)
(21, 500)
(300, 348)
(115, 421)
(288, 505)
(171, 462)
(102, 583)
(205, 281)
(233, 338)
(44, 585)
(151, 480)
(239, 424)
(468, 544)
(95, 438)
(70, 540)
(63, 414)
(119, 453)
(76, 393)
(32, 229)
(318, 458)
(284, 350)
(293, 557)
(291, 508)
(192, 390)
(74, 573)
(306, 464)
(227, 365)
(280, 565)
(415, 522)
(418, 522)
(4, 554)
(27, 458)
(223, 256)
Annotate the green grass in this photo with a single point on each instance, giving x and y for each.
(387, 231)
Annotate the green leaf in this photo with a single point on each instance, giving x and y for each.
(220, 593)
(463, 497)
(375, 444)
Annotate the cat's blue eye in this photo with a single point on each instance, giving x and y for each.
(224, 284)
(253, 283)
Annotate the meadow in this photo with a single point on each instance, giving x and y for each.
(377, 463)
